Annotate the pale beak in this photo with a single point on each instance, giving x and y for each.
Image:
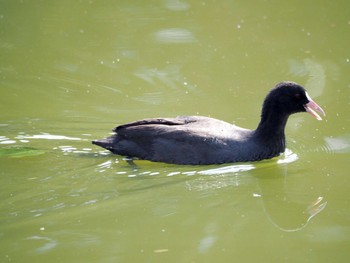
(311, 107)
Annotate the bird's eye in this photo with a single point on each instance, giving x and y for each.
(297, 96)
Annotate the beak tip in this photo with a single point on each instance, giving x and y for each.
(311, 107)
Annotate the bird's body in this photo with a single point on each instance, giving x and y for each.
(186, 140)
(204, 140)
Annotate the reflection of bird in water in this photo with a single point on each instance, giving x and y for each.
(291, 217)
(285, 207)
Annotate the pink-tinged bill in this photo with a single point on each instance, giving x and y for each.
(311, 107)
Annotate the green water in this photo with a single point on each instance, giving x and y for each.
(71, 71)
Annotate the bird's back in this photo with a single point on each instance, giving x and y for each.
(182, 140)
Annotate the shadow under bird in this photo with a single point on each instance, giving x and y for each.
(203, 140)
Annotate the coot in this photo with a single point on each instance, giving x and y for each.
(202, 140)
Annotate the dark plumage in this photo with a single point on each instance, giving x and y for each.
(203, 140)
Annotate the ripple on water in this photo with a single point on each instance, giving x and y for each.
(13, 147)
(176, 5)
(5, 140)
(340, 144)
(174, 36)
(288, 157)
(48, 136)
(170, 77)
(137, 169)
(46, 244)
(332, 145)
(18, 151)
(228, 169)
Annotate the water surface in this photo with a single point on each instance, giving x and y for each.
(70, 72)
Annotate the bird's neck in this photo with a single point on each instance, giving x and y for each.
(271, 127)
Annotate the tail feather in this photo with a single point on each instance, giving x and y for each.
(122, 146)
(107, 143)
(103, 143)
